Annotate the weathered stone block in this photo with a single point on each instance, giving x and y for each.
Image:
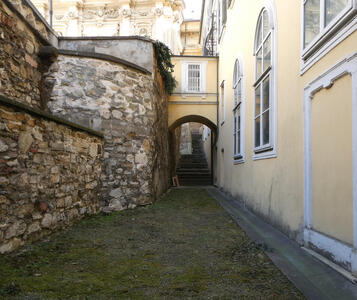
(3, 146)
(33, 227)
(25, 142)
(46, 221)
(10, 246)
(15, 230)
(26, 210)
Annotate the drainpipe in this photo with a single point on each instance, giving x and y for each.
(217, 98)
(214, 145)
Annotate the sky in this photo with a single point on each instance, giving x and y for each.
(193, 9)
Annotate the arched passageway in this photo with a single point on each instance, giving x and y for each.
(195, 167)
(196, 119)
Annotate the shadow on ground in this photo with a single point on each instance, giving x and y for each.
(184, 246)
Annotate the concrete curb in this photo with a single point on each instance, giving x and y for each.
(314, 279)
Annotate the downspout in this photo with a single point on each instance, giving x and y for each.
(214, 145)
(217, 91)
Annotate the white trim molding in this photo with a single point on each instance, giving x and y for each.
(344, 254)
(270, 7)
(240, 160)
(329, 37)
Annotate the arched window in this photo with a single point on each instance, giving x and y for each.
(238, 148)
(264, 112)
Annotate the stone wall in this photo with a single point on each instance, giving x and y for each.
(130, 107)
(19, 68)
(49, 176)
(53, 171)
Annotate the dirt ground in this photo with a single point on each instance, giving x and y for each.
(184, 246)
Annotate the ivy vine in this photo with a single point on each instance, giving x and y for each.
(166, 68)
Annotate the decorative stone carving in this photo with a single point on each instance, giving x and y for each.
(102, 12)
(143, 29)
(125, 12)
(158, 11)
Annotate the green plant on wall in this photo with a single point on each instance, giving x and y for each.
(166, 68)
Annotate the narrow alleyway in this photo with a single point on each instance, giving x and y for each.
(193, 168)
(184, 246)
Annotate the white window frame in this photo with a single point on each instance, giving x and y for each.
(222, 98)
(203, 76)
(220, 25)
(238, 80)
(268, 151)
(343, 25)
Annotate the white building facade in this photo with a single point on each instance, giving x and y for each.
(159, 20)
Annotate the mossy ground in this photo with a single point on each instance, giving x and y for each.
(184, 246)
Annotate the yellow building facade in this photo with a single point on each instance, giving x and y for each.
(287, 119)
(195, 96)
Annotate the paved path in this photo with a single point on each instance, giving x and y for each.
(313, 278)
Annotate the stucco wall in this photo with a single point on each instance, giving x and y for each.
(273, 188)
(332, 188)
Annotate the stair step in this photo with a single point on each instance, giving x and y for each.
(193, 168)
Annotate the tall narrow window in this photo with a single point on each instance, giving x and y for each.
(237, 112)
(222, 16)
(263, 135)
(194, 78)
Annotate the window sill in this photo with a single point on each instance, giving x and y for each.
(265, 155)
(328, 39)
(238, 160)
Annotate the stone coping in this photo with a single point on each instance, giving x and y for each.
(84, 38)
(103, 57)
(40, 18)
(194, 56)
(38, 113)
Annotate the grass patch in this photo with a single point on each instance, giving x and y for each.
(183, 246)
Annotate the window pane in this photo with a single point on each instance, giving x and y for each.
(312, 20)
(257, 101)
(194, 78)
(235, 73)
(266, 128)
(267, 53)
(239, 92)
(266, 94)
(265, 24)
(257, 132)
(259, 40)
(259, 63)
(238, 142)
(333, 8)
(236, 96)
(239, 119)
(235, 142)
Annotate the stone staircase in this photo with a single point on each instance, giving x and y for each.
(193, 169)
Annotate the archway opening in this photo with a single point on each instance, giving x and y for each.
(192, 141)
